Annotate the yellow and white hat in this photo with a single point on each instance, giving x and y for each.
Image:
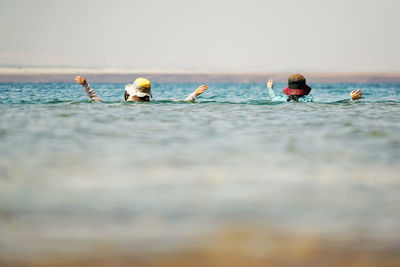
(141, 87)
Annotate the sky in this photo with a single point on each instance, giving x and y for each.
(209, 36)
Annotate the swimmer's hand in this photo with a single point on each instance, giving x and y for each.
(82, 81)
(270, 84)
(355, 95)
(201, 89)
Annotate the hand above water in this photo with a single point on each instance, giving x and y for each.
(82, 81)
(201, 89)
(270, 84)
(355, 95)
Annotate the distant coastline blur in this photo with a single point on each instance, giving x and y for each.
(125, 75)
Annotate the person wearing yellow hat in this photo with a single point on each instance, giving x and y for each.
(138, 91)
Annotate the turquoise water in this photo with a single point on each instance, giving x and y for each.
(71, 170)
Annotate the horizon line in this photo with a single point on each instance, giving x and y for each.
(71, 70)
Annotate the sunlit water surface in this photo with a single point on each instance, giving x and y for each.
(152, 173)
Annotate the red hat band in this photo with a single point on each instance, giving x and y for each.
(303, 91)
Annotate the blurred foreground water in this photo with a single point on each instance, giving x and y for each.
(231, 178)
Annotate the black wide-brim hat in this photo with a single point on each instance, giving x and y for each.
(297, 86)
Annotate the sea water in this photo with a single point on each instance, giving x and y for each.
(161, 173)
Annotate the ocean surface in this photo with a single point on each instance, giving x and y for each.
(151, 176)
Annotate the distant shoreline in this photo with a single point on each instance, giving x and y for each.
(39, 75)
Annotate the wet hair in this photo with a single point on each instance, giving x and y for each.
(294, 98)
(145, 98)
(126, 95)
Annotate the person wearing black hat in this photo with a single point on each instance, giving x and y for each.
(298, 91)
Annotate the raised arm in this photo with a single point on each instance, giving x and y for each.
(196, 93)
(271, 93)
(88, 89)
(270, 87)
(355, 95)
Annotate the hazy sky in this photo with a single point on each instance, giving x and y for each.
(251, 35)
